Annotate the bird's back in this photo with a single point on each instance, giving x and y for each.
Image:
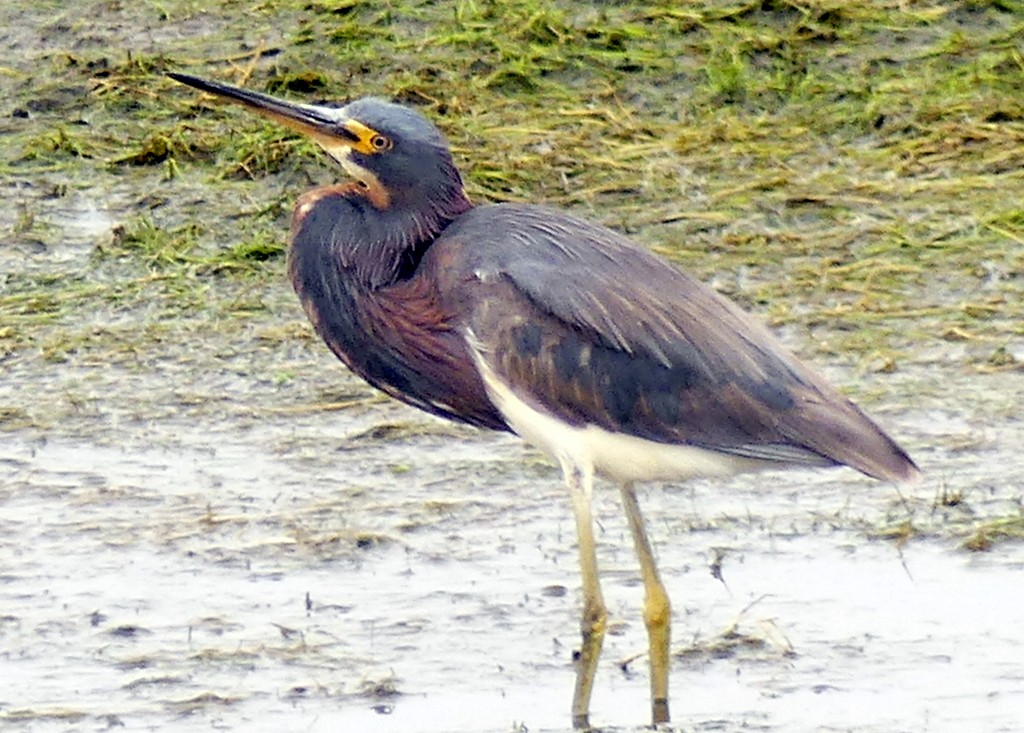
(592, 330)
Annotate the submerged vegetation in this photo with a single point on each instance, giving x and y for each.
(851, 170)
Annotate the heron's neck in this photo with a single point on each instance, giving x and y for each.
(368, 247)
(406, 235)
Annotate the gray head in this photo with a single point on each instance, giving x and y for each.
(395, 154)
(399, 155)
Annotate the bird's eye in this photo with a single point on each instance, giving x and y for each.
(380, 143)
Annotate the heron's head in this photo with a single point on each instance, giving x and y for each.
(399, 159)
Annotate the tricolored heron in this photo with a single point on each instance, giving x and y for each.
(520, 317)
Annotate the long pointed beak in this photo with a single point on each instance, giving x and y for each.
(328, 126)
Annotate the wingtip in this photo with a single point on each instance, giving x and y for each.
(898, 467)
(911, 474)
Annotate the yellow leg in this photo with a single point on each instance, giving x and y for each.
(595, 616)
(657, 608)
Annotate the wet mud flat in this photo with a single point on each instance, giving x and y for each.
(370, 569)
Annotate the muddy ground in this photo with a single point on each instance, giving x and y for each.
(206, 523)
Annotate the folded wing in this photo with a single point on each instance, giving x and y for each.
(583, 324)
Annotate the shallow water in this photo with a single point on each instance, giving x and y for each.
(325, 573)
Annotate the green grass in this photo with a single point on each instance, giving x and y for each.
(858, 163)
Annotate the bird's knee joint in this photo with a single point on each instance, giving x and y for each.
(657, 611)
(594, 621)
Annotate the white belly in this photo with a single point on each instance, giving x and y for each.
(620, 457)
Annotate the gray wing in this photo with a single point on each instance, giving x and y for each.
(598, 331)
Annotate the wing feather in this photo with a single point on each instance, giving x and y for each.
(588, 326)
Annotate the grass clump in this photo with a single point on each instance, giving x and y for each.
(992, 532)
